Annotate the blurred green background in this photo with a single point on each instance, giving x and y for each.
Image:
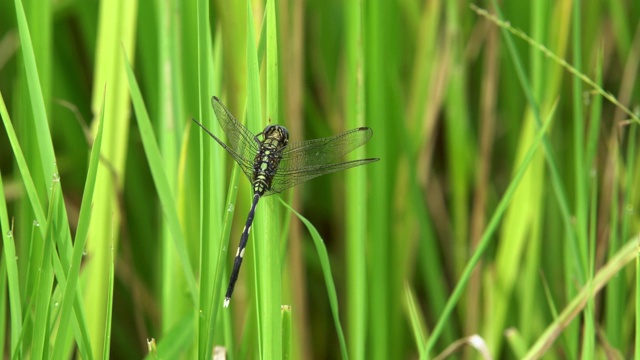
(500, 222)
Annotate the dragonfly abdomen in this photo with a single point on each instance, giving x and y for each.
(237, 262)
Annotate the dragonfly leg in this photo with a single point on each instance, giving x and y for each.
(240, 253)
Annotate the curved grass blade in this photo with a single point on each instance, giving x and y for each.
(84, 220)
(45, 145)
(328, 278)
(416, 319)
(159, 177)
(617, 262)
(487, 235)
(9, 250)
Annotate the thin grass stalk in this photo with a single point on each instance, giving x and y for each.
(328, 278)
(486, 237)
(575, 307)
(520, 239)
(457, 138)
(267, 255)
(209, 204)
(254, 121)
(287, 332)
(581, 195)
(356, 184)
(3, 293)
(589, 333)
(109, 314)
(417, 321)
(381, 252)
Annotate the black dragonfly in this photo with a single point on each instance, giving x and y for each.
(274, 165)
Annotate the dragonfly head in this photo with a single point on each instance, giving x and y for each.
(276, 132)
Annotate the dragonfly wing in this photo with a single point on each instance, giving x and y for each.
(285, 179)
(240, 139)
(325, 151)
(245, 164)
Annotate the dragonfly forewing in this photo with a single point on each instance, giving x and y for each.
(240, 139)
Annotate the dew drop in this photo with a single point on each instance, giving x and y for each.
(56, 177)
(9, 234)
(56, 304)
(16, 258)
(230, 208)
(36, 223)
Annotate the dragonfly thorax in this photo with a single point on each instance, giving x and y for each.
(265, 164)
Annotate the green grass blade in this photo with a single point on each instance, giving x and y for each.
(80, 241)
(416, 319)
(115, 30)
(106, 343)
(40, 345)
(457, 141)
(287, 331)
(209, 201)
(10, 260)
(637, 337)
(266, 348)
(356, 223)
(267, 256)
(622, 258)
(45, 145)
(170, 119)
(487, 235)
(328, 277)
(383, 301)
(159, 177)
(581, 191)
(556, 182)
(3, 299)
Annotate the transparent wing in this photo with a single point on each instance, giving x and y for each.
(312, 154)
(245, 164)
(282, 181)
(243, 143)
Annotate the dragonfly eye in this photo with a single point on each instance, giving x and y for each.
(285, 134)
(276, 131)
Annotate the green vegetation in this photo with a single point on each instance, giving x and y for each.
(501, 220)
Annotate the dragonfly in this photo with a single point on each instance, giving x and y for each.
(273, 164)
